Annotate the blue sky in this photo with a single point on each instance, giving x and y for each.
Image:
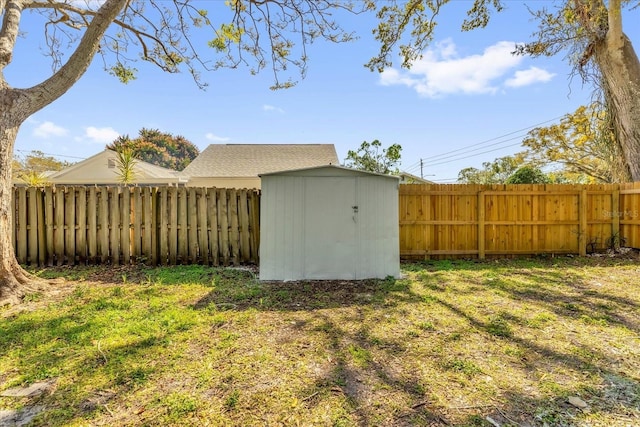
(467, 101)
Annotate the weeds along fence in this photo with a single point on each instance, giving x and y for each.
(449, 221)
(119, 225)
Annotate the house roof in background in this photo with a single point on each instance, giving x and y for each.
(142, 169)
(406, 177)
(242, 160)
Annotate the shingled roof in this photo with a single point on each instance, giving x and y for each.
(251, 160)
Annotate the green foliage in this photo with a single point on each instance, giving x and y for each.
(371, 157)
(583, 143)
(126, 161)
(33, 167)
(496, 172)
(123, 73)
(159, 148)
(528, 175)
(588, 33)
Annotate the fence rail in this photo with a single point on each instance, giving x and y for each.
(448, 221)
(157, 225)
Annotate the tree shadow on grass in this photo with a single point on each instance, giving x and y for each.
(371, 374)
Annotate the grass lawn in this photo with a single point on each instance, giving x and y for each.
(452, 343)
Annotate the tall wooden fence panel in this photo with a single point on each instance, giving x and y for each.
(120, 225)
(446, 221)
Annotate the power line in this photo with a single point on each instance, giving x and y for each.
(50, 154)
(456, 157)
(434, 157)
(473, 155)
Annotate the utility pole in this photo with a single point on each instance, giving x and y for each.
(421, 174)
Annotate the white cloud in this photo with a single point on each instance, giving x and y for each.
(49, 129)
(101, 135)
(528, 77)
(442, 71)
(267, 107)
(212, 137)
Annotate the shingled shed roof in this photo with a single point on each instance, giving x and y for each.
(249, 160)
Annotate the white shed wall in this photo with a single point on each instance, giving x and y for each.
(310, 229)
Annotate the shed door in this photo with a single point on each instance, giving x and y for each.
(330, 229)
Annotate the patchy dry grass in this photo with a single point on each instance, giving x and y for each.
(452, 343)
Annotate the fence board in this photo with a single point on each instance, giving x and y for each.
(21, 224)
(183, 250)
(103, 220)
(125, 228)
(81, 220)
(243, 213)
(192, 218)
(70, 225)
(223, 222)
(203, 247)
(48, 218)
(153, 226)
(14, 215)
(59, 226)
(32, 226)
(92, 225)
(173, 225)
(41, 233)
(114, 225)
(233, 226)
(255, 226)
(212, 213)
(136, 220)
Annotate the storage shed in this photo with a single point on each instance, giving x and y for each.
(328, 222)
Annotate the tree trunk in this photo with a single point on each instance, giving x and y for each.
(15, 283)
(620, 70)
(16, 105)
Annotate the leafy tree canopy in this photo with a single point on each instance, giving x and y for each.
(528, 175)
(39, 162)
(583, 143)
(589, 33)
(159, 148)
(33, 167)
(371, 157)
(496, 172)
(170, 34)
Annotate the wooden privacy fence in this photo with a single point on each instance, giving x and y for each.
(119, 225)
(447, 221)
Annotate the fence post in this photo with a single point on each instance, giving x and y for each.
(481, 238)
(582, 215)
(615, 215)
